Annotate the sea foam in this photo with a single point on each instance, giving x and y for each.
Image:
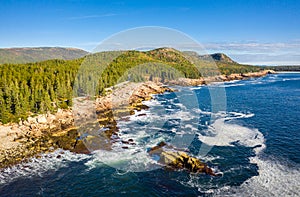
(37, 166)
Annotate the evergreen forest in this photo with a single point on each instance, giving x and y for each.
(32, 88)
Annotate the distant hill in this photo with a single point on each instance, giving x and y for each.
(283, 68)
(224, 63)
(27, 55)
(220, 57)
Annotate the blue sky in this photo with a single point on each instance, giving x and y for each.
(256, 31)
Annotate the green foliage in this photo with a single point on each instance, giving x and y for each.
(283, 68)
(217, 64)
(26, 55)
(31, 88)
(35, 87)
(227, 68)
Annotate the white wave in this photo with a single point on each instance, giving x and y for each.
(196, 87)
(274, 179)
(92, 163)
(231, 85)
(222, 84)
(233, 81)
(37, 166)
(223, 133)
(234, 85)
(128, 160)
(260, 82)
(237, 115)
(144, 130)
(152, 102)
(286, 72)
(292, 79)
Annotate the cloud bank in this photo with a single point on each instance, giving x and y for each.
(280, 53)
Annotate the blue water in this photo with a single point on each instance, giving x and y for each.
(253, 141)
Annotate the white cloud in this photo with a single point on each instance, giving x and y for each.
(91, 16)
(279, 53)
(254, 46)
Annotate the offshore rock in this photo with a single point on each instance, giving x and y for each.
(171, 158)
(181, 160)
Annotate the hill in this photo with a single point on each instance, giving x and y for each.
(27, 55)
(294, 68)
(40, 87)
(220, 61)
(220, 57)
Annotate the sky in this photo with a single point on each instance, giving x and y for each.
(256, 32)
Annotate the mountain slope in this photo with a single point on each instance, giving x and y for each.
(45, 86)
(27, 55)
(219, 57)
(224, 64)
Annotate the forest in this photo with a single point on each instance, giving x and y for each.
(283, 68)
(32, 88)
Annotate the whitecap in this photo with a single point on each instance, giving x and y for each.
(223, 133)
(275, 179)
(37, 166)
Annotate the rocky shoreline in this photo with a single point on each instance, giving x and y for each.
(47, 132)
(220, 78)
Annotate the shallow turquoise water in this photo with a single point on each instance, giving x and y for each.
(254, 144)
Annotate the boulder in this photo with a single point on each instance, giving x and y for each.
(42, 119)
(31, 120)
(181, 160)
(50, 118)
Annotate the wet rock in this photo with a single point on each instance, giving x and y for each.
(48, 132)
(181, 160)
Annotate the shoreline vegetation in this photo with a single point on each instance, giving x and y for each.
(41, 129)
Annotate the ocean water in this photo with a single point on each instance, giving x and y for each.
(247, 131)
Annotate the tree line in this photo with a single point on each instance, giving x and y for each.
(27, 89)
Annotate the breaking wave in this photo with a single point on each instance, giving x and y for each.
(37, 166)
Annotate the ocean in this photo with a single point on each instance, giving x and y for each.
(247, 131)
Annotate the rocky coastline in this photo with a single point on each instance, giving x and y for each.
(47, 132)
(220, 78)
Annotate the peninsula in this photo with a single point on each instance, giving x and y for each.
(37, 98)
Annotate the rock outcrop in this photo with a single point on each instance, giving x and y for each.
(171, 157)
(181, 160)
(219, 78)
(47, 132)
